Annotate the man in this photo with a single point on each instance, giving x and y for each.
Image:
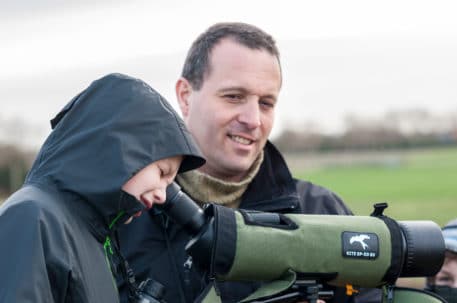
(227, 94)
(445, 281)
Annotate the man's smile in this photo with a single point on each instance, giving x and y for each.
(241, 140)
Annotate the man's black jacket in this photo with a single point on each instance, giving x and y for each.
(154, 246)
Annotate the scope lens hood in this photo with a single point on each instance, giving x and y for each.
(425, 248)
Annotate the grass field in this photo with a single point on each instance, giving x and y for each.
(418, 185)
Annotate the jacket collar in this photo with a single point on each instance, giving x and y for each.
(273, 188)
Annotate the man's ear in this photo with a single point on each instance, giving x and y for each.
(183, 91)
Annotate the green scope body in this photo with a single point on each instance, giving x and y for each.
(358, 250)
(366, 251)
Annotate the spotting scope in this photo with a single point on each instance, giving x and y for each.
(365, 251)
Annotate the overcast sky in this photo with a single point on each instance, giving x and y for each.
(363, 57)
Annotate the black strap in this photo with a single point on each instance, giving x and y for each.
(126, 271)
(224, 248)
(165, 221)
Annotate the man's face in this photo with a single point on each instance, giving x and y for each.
(231, 115)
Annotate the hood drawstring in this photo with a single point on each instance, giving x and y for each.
(108, 247)
(112, 251)
(109, 256)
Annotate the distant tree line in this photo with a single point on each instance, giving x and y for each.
(395, 130)
(14, 165)
(16, 155)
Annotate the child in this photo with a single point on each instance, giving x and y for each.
(444, 283)
(113, 150)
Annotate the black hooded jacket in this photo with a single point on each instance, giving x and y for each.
(154, 246)
(57, 230)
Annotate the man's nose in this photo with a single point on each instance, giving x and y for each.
(250, 113)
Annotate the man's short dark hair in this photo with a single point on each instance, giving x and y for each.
(197, 66)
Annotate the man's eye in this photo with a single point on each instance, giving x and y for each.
(267, 104)
(233, 96)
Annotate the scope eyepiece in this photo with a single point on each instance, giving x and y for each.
(183, 210)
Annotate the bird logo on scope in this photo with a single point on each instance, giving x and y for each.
(359, 239)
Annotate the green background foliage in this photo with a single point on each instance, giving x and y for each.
(416, 185)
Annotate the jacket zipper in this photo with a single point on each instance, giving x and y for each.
(187, 270)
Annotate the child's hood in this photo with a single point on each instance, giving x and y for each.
(106, 134)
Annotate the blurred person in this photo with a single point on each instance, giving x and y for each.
(444, 283)
(107, 159)
(228, 93)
